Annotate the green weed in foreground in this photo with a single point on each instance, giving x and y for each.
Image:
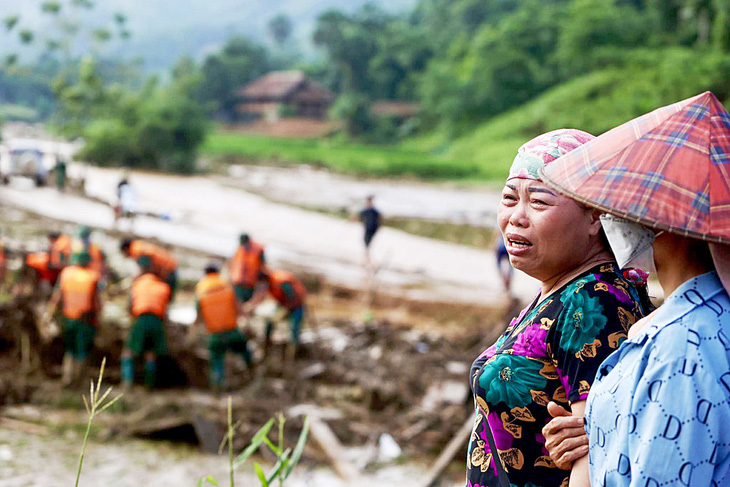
(95, 405)
(286, 458)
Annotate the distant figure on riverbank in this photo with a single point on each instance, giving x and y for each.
(503, 265)
(371, 220)
(126, 206)
(60, 170)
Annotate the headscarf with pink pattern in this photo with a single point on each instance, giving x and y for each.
(544, 149)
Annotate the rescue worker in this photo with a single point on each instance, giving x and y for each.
(217, 308)
(164, 263)
(290, 293)
(78, 291)
(37, 272)
(245, 266)
(148, 306)
(83, 242)
(60, 252)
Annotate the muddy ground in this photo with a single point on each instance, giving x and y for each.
(372, 365)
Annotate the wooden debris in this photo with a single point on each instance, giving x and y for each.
(23, 426)
(455, 446)
(209, 433)
(332, 448)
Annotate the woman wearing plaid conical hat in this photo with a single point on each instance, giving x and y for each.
(659, 411)
(553, 349)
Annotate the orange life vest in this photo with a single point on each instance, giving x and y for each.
(60, 252)
(97, 258)
(3, 257)
(40, 262)
(246, 264)
(217, 302)
(78, 291)
(150, 295)
(276, 279)
(163, 261)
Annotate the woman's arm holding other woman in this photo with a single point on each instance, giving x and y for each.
(579, 474)
(565, 436)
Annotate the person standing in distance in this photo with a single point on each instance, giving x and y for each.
(370, 218)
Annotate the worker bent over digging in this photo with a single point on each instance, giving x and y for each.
(245, 267)
(78, 291)
(38, 264)
(217, 308)
(164, 263)
(148, 305)
(60, 252)
(289, 292)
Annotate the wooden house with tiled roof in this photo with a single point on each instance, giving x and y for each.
(268, 95)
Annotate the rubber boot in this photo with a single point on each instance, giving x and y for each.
(67, 370)
(127, 372)
(150, 373)
(217, 375)
(81, 372)
(267, 337)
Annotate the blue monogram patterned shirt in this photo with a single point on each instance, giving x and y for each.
(659, 411)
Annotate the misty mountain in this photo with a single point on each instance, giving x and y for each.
(165, 30)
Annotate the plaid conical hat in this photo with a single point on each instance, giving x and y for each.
(668, 169)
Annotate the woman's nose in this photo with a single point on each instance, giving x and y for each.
(518, 217)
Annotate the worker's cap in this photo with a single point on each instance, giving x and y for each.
(84, 231)
(212, 267)
(80, 258)
(244, 238)
(144, 262)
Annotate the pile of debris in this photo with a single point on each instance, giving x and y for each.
(390, 390)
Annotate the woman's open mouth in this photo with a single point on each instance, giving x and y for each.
(516, 244)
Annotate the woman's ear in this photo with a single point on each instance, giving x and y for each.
(595, 227)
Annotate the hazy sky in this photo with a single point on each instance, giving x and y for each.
(164, 30)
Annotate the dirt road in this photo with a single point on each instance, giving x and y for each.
(208, 216)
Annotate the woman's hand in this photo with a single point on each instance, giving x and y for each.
(565, 437)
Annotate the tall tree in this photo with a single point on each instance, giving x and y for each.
(280, 29)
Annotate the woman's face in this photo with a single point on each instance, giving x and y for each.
(546, 234)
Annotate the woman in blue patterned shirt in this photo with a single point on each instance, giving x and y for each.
(659, 411)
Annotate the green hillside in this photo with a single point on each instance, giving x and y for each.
(595, 103)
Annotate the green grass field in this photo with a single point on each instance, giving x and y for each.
(346, 157)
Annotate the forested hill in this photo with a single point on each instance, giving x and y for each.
(163, 31)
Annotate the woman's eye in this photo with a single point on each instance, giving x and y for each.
(539, 202)
(508, 197)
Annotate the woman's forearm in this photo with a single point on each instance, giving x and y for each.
(579, 473)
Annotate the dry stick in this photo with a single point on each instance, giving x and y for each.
(449, 452)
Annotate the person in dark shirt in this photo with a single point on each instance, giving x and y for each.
(370, 217)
